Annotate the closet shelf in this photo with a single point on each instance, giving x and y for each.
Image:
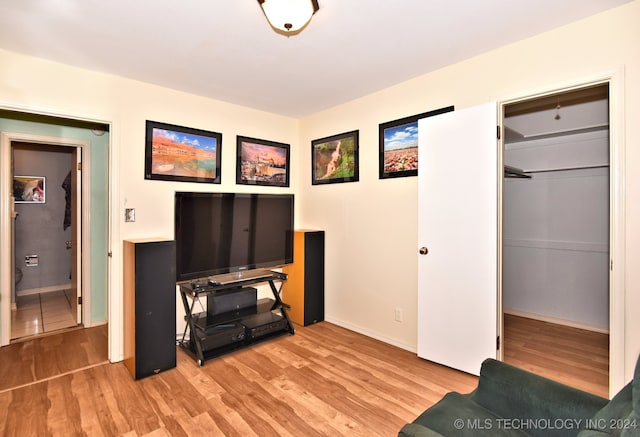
(513, 172)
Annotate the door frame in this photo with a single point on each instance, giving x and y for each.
(617, 218)
(6, 225)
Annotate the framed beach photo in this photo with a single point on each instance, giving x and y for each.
(335, 159)
(177, 153)
(29, 189)
(398, 140)
(262, 162)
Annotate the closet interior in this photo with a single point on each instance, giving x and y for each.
(556, 208)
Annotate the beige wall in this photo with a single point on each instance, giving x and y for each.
(37, 85)
(371, 225)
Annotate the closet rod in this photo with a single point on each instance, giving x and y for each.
(585, 167)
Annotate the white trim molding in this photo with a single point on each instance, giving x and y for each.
(6, 214)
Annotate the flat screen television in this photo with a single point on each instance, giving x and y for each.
(220, 233)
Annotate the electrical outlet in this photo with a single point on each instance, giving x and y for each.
(398, 314)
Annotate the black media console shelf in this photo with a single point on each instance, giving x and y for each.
(233, 317)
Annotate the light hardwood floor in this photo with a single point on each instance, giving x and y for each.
(323, 381)
(573, 356)
(51, 355)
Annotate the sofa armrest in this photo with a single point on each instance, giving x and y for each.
(514, 393)
(417, 430)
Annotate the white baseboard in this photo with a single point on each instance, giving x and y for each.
(557, 321)
(43, 289)
(371, 334)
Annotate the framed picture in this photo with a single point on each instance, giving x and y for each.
(29, 189)
(335, 159)
(399, 145)
(262, 162)
(177, 153)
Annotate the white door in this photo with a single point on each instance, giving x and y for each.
(458, 184)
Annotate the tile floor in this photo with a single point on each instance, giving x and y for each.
(42, 313)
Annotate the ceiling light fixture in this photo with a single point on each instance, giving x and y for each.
(289, 17)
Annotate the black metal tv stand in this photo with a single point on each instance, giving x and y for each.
(209, 334)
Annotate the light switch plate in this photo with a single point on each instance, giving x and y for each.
(130, 215)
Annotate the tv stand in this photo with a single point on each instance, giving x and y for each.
(208, 334)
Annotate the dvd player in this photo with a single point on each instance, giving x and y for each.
(259, 325)
(215, 336)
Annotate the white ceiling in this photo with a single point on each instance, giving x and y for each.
(224, 49)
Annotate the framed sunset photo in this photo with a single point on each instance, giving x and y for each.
(178, 153)
(262, 162)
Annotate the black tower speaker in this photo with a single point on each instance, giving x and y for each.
(304, 288)
(149, 306)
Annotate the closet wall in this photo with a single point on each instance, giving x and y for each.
(556, 229)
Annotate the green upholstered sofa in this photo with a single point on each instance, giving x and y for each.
(513, 402)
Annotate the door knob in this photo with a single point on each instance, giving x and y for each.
(423, 251)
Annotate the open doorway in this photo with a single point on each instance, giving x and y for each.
(89, 142)
(47, 283)
(556, 235)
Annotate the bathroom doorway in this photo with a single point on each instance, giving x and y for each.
(47, 200)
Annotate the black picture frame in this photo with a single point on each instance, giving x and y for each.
(184, 154)
(334, 159)
(398, 145)
(262, 162)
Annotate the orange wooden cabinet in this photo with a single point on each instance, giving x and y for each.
(304, 288)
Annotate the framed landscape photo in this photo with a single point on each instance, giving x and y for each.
(177, 153)
(398, 141)
(262, 162)
(335, 159)
(29, 189)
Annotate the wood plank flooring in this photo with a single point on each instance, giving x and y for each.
(47, 356)
(573, 356)
(323, 381)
